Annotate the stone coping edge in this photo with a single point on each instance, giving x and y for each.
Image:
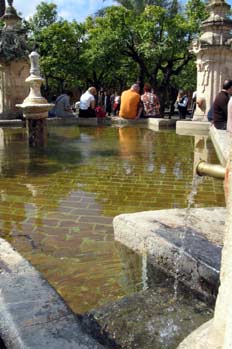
(108, 121)
(160, 234)
(32, 314)
(222, 141)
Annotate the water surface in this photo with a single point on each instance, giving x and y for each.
(57, 203)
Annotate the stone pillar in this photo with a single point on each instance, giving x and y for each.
(12, 87)
(14, 65)
(222, 321)
(213, 51)
(37, 132)
(217, 333)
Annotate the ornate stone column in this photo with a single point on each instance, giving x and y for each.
(35, 107)
(14, 66)
(213, 51)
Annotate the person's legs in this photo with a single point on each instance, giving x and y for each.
(91, 113)
(88, 113)
(182, 112)
(220, 125)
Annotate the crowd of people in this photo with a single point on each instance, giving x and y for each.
(130, 105)
(134, 105)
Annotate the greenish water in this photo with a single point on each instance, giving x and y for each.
(57, 204)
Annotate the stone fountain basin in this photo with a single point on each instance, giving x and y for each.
(35, 110)
(191, 251)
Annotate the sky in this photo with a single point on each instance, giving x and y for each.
(68, 9)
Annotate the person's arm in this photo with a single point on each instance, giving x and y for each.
(140, 109)
(157, 105)
(229, 117)
(93, 103)
(67, 106)
(184, 102)
(225, 109)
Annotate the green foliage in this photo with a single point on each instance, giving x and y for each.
(196, 12)
(141, 39)
(60, 45)
(46, 14)
(186, 80)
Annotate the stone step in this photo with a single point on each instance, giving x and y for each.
(186, 246)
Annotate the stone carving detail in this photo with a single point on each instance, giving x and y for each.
(12, 45)
(205, 77)
(12, 35)
(34, 60)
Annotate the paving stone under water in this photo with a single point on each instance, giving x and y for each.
(57, 203)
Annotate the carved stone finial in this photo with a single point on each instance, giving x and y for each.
(34, 60)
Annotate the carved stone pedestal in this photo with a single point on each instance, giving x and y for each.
(37, 132)
(14, 65)
(35, 107)
(213, 50)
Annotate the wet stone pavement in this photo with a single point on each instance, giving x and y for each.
(155, 318)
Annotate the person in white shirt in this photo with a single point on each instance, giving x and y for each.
(229, 116)
(88, 103)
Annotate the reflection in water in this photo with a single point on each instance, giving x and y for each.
(130, 141)
(177, 170)
(130, 145)
(57, 204)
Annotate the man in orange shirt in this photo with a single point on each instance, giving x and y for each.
(130, 103)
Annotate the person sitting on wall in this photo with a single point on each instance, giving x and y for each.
(52, 112)
(210, 114)
(220, 105)
(88, 103)
(62, 105)
(182, 104)
(116, 103)
(151, 104)
(130, 107)
(107, 103)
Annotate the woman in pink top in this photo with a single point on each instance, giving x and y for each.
(151, 104)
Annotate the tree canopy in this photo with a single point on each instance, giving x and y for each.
(145, 40)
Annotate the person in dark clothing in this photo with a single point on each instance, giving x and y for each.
(182, 104)
(210, 114)
(220, 105)
(107, 103)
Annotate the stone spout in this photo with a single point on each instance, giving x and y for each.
(212, 170)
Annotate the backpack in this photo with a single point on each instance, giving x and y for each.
(100, 113)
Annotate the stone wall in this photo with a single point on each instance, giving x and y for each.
(13, 89)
